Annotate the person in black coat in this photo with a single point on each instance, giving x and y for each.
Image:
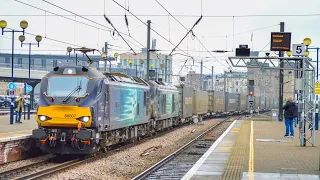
(289, 112)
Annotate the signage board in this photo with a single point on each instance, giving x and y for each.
(298, 49)
(280, 41)
(29, 88)
(11, 86)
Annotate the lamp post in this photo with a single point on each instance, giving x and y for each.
(3, 25)
(105, 58)
(38, 39)
(307, 42)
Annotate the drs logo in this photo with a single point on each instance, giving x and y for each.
(69, 115)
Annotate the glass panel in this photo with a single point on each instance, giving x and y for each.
(62, 86)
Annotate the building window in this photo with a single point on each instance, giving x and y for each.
(236, 89)
(43, 62)
(125, 62)
(7, 61)
(237, 84)
(55, 63)
(32, 62)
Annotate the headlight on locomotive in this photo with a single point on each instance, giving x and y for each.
(43, 118)
(84, 118)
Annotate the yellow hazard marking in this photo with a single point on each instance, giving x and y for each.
(224, 149)
(251, 155)
(235, 129)
(223, 144)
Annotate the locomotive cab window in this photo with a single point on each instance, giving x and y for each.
(62, 86)
(100, 87)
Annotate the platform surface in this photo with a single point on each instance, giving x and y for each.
(212, 163)
(277, 157)
(258, 150)
(8, 130)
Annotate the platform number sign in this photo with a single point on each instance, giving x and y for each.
(298, 49)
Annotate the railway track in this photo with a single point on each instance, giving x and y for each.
(23, 172)
(32, 171)
(179, 162)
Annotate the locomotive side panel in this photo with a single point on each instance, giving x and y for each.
(218, 102)
(127, 106)
(200, 104)
(168, 103)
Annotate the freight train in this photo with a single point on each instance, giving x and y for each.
(83, 111)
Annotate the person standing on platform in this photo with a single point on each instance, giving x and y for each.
(296, 114)
(19, 104)
(289, 110)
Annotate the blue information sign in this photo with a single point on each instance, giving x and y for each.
(29, 88)
(11, 86)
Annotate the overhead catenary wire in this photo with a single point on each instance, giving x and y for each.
(120, 33)
(146, 25)
(65, 16)
(181, 15)
(189, 30)
(108, 20)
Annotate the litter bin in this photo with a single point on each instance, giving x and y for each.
(275, 114)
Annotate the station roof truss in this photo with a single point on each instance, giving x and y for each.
(270, 62)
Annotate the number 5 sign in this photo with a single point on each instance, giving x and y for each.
(298, 49)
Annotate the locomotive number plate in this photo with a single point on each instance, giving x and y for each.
(69, 115)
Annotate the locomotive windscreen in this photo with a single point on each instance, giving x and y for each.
(62, 86)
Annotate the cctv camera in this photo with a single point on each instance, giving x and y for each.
(267, 53)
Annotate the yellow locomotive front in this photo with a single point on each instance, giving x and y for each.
(65, 113)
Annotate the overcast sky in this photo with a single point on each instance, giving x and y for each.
(215, 32)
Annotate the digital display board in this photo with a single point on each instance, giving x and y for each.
(280, 41)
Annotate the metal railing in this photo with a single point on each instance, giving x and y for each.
(26, 66)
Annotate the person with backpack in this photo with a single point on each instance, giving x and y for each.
(289, 111)
(19, 104)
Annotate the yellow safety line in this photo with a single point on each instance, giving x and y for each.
(251, 155)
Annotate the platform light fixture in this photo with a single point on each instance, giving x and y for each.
(307, 41)
(3, 24)
(21, 39)
(289, 53)
(24, 24)
(306, 53)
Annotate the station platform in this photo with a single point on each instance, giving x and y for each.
(257, 149)
(9, 131)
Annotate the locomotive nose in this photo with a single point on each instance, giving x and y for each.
(64, 116)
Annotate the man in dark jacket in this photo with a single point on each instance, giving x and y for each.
(289, 109)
